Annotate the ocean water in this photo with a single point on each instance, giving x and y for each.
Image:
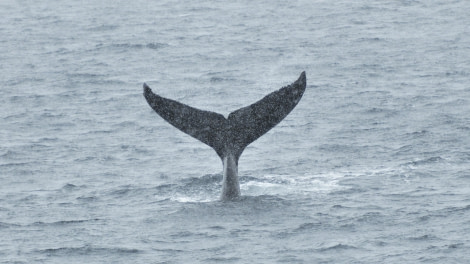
(372, 166)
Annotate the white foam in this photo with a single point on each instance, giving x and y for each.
(272, 184)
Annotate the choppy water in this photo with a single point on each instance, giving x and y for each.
(371, 167)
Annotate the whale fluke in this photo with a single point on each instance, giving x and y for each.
(230, 136)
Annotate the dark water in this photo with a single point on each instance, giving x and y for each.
(371, 167)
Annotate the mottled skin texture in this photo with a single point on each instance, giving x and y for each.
(229, 136)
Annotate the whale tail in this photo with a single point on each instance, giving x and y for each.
(229, 136)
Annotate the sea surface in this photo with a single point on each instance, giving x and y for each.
(372, 166)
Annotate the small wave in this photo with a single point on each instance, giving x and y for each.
(419, 133)
(103, 28)
(69, 187)
(464, 128)
(131, 46)
(308, 226)
(16, 164)
(222, 260)
(436, 159)
(337, 247)
(404, 150)
(168, 250)
(122, 191)
(87, 199)
(217, 227)
(131, 124)
(87, 250)
(208, 178)
(189, 190)
(453, 209)
(423, 238)
(457, 245)
(155, 45)
(221, 79)
(371, 217)
(7, 225)
(48, 114)
(216, 79)
(378, 110)
(263, 200)
(14, 117)
(368, 40)
(165, 187)
(127, 191)
(23, 81)
(65, 222)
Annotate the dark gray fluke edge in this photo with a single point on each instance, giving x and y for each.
(230, 136)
